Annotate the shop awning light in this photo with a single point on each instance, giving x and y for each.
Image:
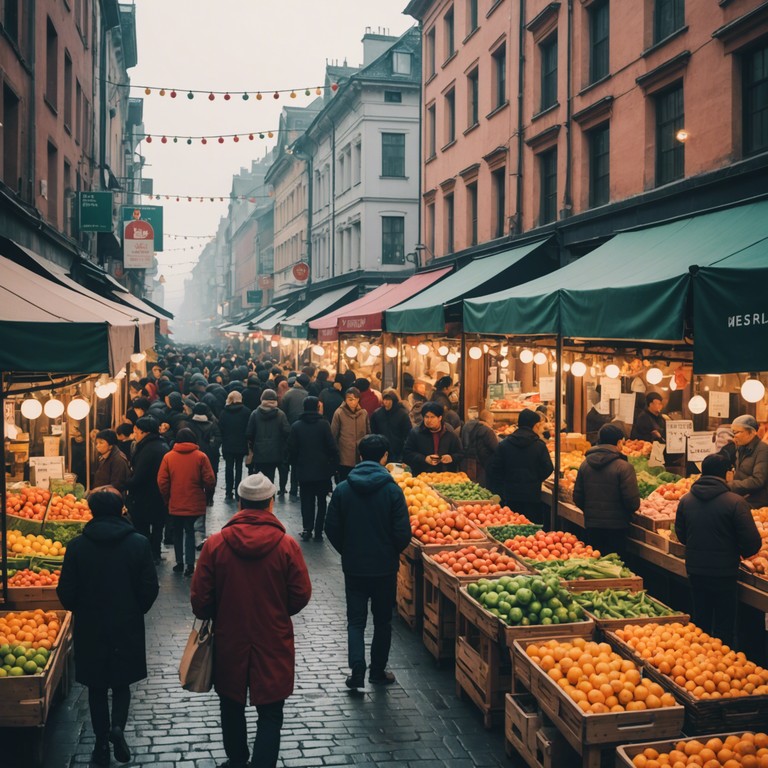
(452, 358)
(612, 371)
(391, 352)
(697, 404)
(566, 367)
(654, 375)
(475, 353)
(526, 356)
(79, 408)
(578, 368)
(53, 408)
(375, 350)
(443, 350)
(539, 358)
(318, 350)
(351, 351)
(422, 348)
(102, 391)
(31, 408)
(504, 363)
(753, 390)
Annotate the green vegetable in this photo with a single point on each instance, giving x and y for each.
(505, 532)
(464, 491)
(621, 604)
(606, 567)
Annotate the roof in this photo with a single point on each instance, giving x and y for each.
(325, 302)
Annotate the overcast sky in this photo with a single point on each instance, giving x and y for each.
(235, 45)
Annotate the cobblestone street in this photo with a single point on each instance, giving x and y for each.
(417, 722)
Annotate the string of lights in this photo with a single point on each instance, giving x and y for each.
(227, 95)
(166, 138)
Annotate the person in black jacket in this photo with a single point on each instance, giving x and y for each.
(313, 452)
(268, 432)
(480, 443)
(434, 446)
(206, 429)
(717, 528)
(145, 504)
(521, 464)
(332, 398)
(252, 393)
(233, 425)
(392, 421)
(606, 491)
(649, 423)
(109, 582)
(368, 525)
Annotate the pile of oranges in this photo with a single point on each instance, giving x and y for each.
(749, 750)
(68, 507)
(40, 578)
(29, 503)
(446, 478)
(34, 545)
(35, 629)
(553, 545)
(702, 665)
(596, 678)
(493, 514)
(477, 561)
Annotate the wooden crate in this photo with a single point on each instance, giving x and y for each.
(554, 751)
(30, 598)
(633, 583)
(439, 627)
(676, 549)
(546, 631)
(646, 535)
(626, 752)
(409, 596)
(652, 524)
(522, 720)
(450, 582)
(613, 624)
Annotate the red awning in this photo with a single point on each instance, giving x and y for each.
(367, 313)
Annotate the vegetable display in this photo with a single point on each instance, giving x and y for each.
(636, 448)
(747, 750)
(657, 507)
(504, 532)
(621, 604)
(466, 491)
(62, 533)
(477, 561)
(554, 545)
(493, 514)
(577, 568)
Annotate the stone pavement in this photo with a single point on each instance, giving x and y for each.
(416, 722)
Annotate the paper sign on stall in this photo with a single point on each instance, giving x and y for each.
(610, 388)
(719, 405)
(627, 408)
(700, 445)
(45, 468)
(656, 459)
(547, 389)
(677, 432)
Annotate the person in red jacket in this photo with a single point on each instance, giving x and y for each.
(186, 482)
(251, 579)
(369, 400)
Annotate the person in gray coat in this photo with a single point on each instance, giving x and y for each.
(750, 462)
(292, 405)
(349, 426)
(268, 432)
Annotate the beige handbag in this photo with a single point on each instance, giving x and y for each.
(196, 666)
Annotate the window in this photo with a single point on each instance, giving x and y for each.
(449, 224)
(472, 16)
(431, 52)
(548, 51)
(10, 137)
(499, 183)
(472, 213)
(401, 63)
(450, 116)
(599, 25)
(393, 154)
(431, 131)
(599, 166)
(51, 65)
(500, 76)
(668, 17)
(53, 184)
(393, 240)
(473, 97)
(755, 100)
(11, 19)
(449, 29)
(67, 91)
(548, 178)
(670, 153)
(393, 97)
(357, 162)
(431, 229)
(78, 112)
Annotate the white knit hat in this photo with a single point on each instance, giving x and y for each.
(256, 487)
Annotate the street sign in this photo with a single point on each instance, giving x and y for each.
(94, 211)
(151, 213)
(301, 271)
(295, 331)
(138, 245)
(254, 297)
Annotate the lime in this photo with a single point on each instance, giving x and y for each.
(31, 653)
(3, 672)
(491, 599)
(9, 658)
(6, 667)
(524, 596)
(44, 652)
(41, 661)
(18, 650)
(30, 668)
(535, 607)
(515, 615)
(16, 672)
(5, 649)
(473, 590)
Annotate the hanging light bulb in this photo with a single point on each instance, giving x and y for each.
(318, 350)
(566, 367)
(673, 383)
(443, 350)
(485, 348)
(375, 350)
(526, 356)
(391, 352)
(31, 408)
(78, 408)
(351, 351)
(102, 391)
(452, 358)
(11, 430)
(654, 375)
(697, 404)
(539, 358)
(53, 408)
(554, 366)
(111, 387)
(578, 368)
(592, 371)
(504, 363)
(475, 353)
(422, 348)
(753, 390)
(612, 371)
(504, 350)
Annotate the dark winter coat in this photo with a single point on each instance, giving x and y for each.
(250, 579)
(186, 480)
(332, 400)
(312, 449)
(144, 500)
(113, 470)
(348, 428)
(479, 441)
(109, 581)
(268, 432)
(367, 522)
(606, 488)
(233, 425)
(519, 467)
(751, 473)
(645, 424)
(292, 404)
(716, 527)
(419, 444)
(252, 397)
(208, 438)
(395, 425)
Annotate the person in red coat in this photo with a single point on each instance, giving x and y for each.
(369, 400)
(251, 579)
(186, 482)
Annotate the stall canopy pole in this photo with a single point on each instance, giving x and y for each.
(3, 521)
(463, 377)
(558, 422)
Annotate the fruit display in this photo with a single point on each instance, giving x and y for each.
(21, 660)
(69, 508)
(466, 491)
(62, 532)
(658, 508)
(446, 478)
(759, 563)
(504, 532)
(34, 577)
(526, 600)
(636, 448)
(703, 665)
(502, 404)
(675, 491)
(570, 459)
(552, 545)
(621, 604)
(419, 496)
(28, 502)
(597, 678)
(493, 514)
(506, 430)
(33, 545)
(585, 568)
(747, 750)
(477, 561)
(31, 629)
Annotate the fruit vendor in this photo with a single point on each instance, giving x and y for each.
(750, 461)
(112, 466)
(433, 444)
(649, 423)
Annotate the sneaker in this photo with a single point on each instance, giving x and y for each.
(119, 745)
(306, 535)
(356, 679)
(382, 678)
(281, 493)
(100, 755)
(178, 568)
(189, 570)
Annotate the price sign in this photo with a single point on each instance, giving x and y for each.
(610, 388)
(547, 388)
(627, 408)
(656, 459)
(45, 468)
(496, 391)
(719, 405)
(677, 432)
(700, 445)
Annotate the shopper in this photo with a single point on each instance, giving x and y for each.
(446, 394)
(368, 525)
(520, 466)
(186, 483)
(717, 528)
(112, 467)
(391, 420)
(750, 461)
(313, 452)
(233, 424)
(251, 579)
(109, 582)
(146, 506)
(268, 432)
(206, 429)
(606, 491)
(124, 433)
(433, 446)
(349, 426)
(649, 424)
(292, 404)
(332, 398)
(479, 442)
(369, 400)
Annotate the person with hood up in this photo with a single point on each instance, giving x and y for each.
(480, 443)
(233, 424)
(717, 528)
(252, 393)
(112, 467)
(175, 415)
(369, 400)
(392, 421)
(314, 454)
(292, 405)
(368, 525)
(433, 446)
(208, 434)
(145, 503)
(109, 582)
(349, 426)
(520, 465)
(332, 398)
(750, 461)
(186, 482)
(268, 432)
(606, 491)
(251, 579)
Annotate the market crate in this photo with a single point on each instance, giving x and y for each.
(652, 523)
(522, 720)
(647, 536)
(677, 549)
(29, 598)
(613, 624)
(439, 628)
(409, 596)
(626, 752)
(632, 583)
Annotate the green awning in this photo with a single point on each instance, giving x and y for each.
(635, 287)
(425, 312)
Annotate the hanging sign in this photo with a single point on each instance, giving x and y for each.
(656, 459)
(547, 392)
(700, 445)
(627, 407)
(719, 405)
(677, 432)
(149, 213)
(138, 245)
(610, 389)
(301, 271)
(94, 211)
(45, 468)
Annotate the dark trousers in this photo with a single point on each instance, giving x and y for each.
(234, 731)
(184, 539)
(715, 605)
(98, 703)
(342, 473)
(233, 471)
(314, 496)
(267, 469)
(380, 590)
(153, 531)
(294, 487)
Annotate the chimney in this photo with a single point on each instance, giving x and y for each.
(375, 44)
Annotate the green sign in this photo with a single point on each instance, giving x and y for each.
(151, 213)
(294, 331)
(254, 297)
(94, 211)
